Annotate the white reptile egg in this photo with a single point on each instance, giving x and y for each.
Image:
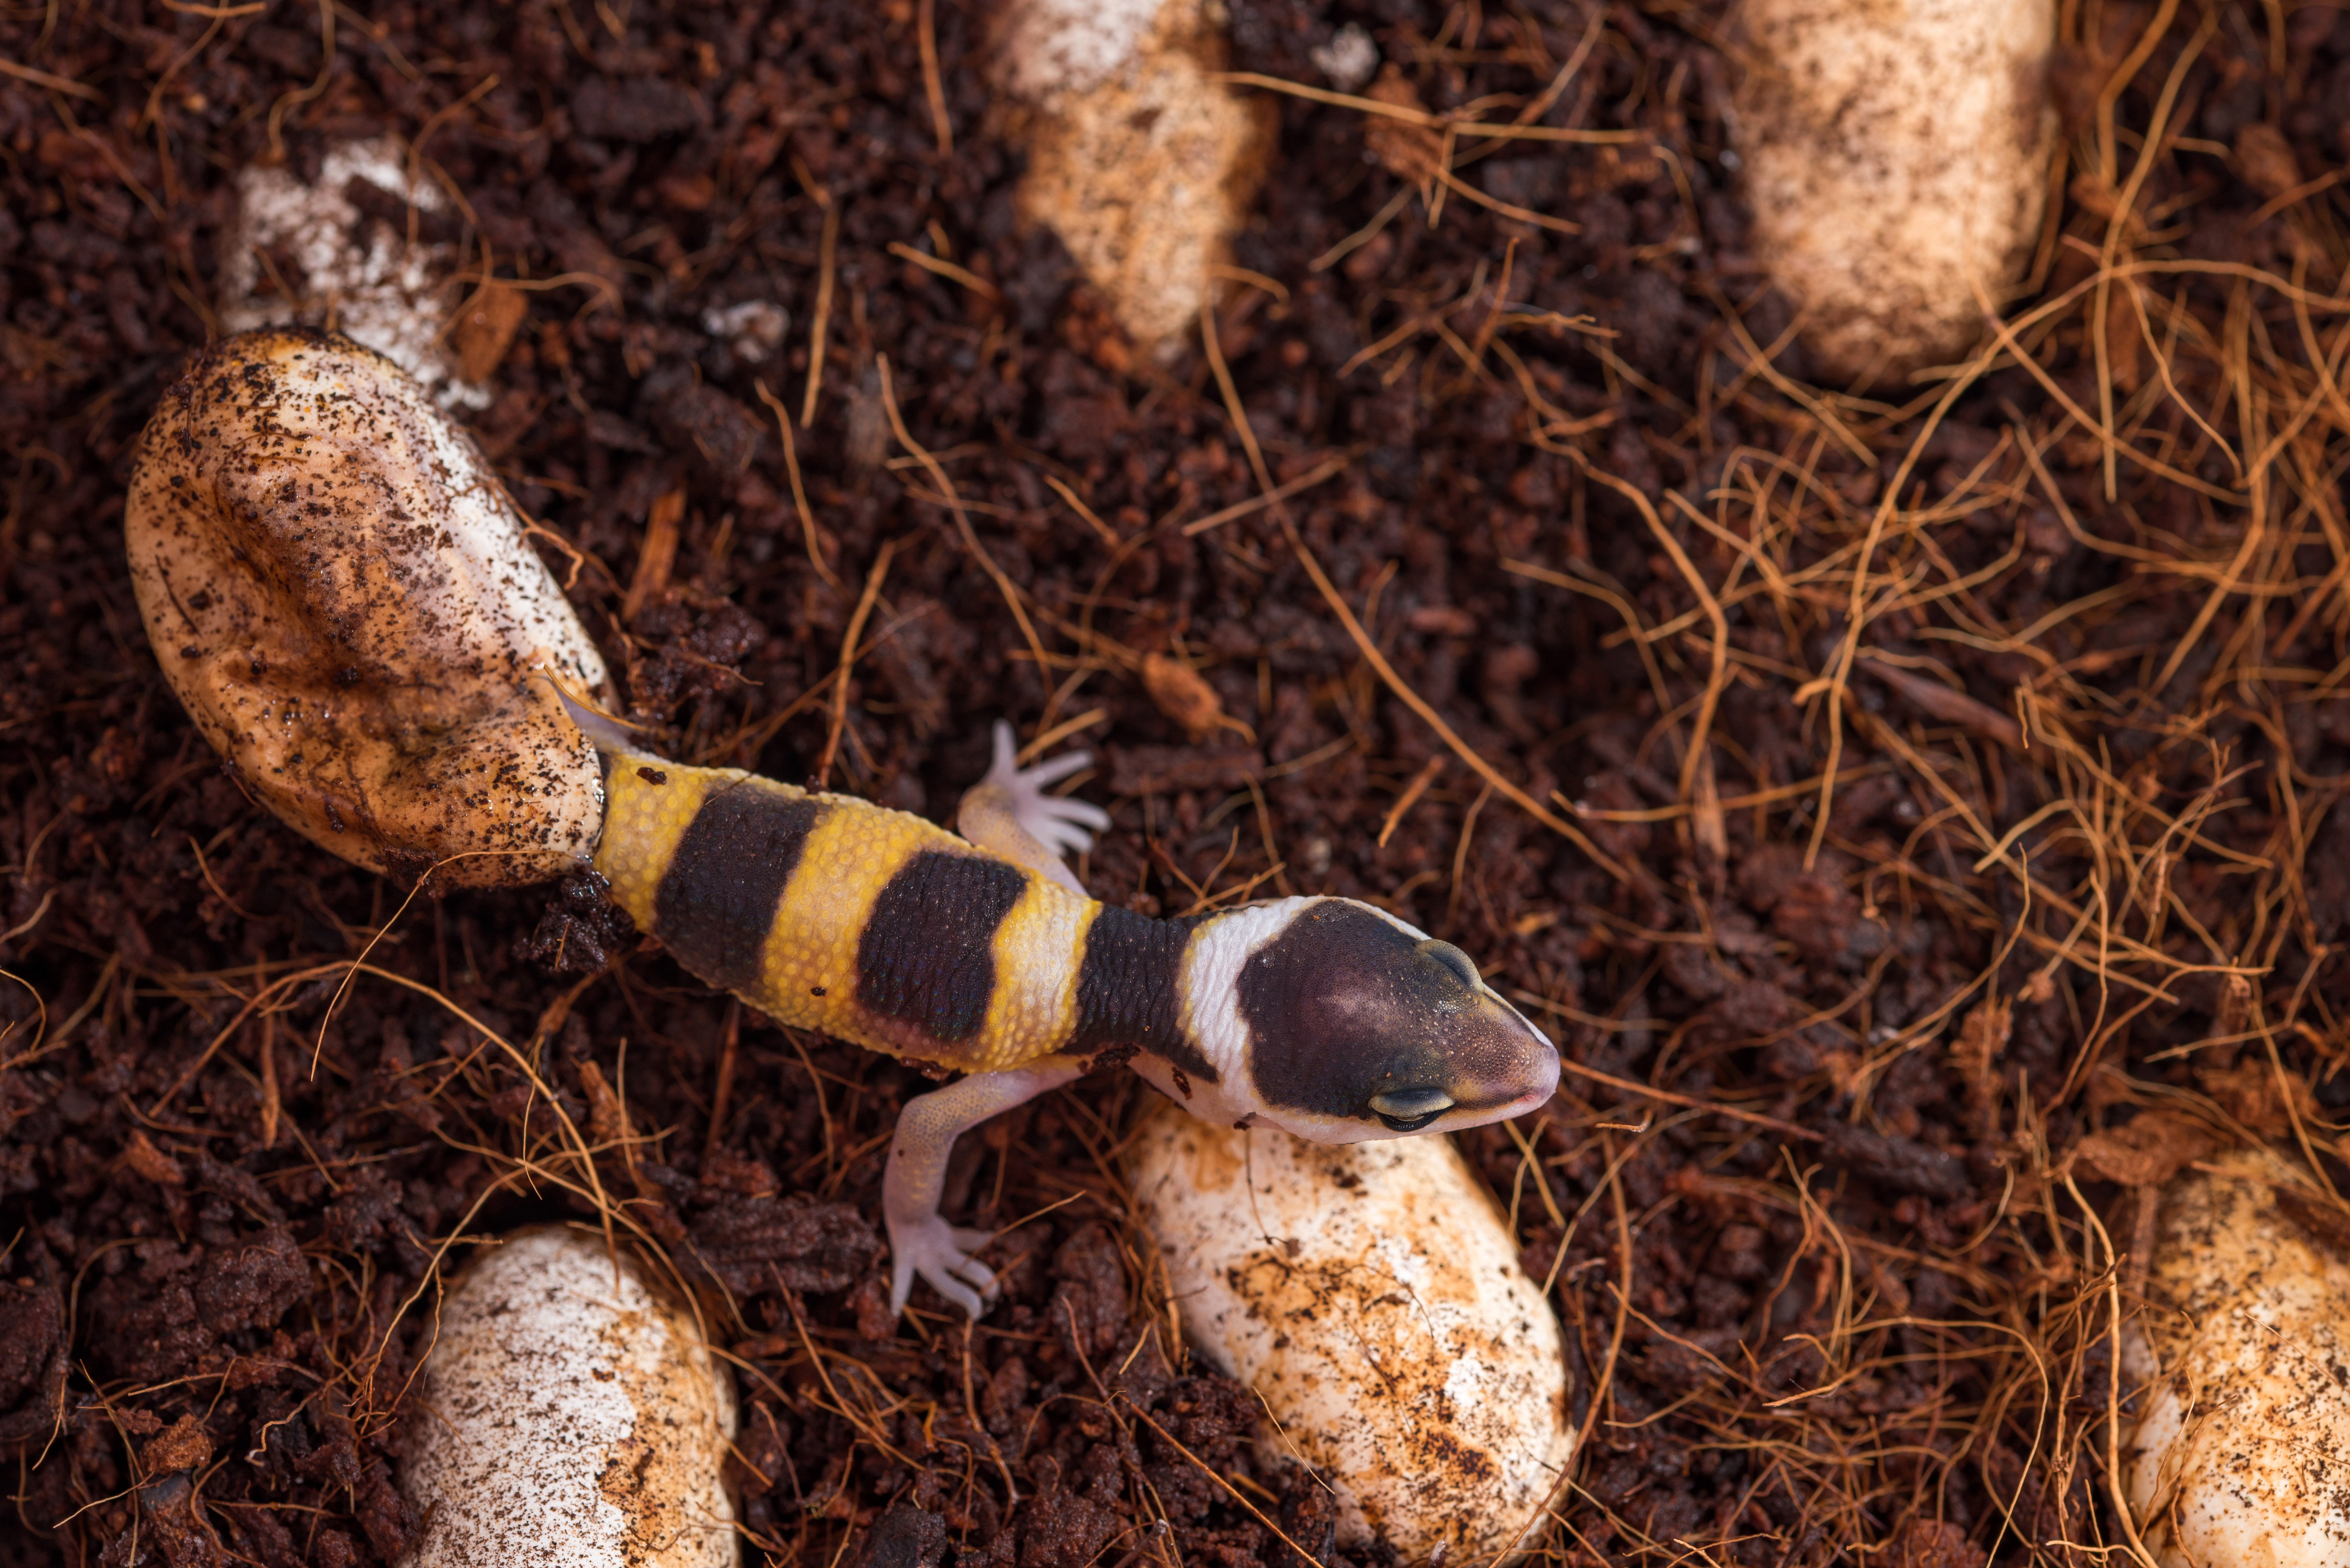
(342, 597)
(2241, 1357)
(568, 1419)
(1139, 158)
(1370, 1293)
(1895, 155)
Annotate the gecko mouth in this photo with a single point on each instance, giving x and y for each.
(1408, 1110)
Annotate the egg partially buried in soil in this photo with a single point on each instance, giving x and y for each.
(2241, 1457)
(568, 1419)
(342, 598)
(1140, 157)
(1370, 1293)
(1895, 160)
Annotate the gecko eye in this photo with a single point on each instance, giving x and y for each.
(1453, 959)
(1408, 1110)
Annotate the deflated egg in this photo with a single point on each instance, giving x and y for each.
(1139, 157)
(343, 598)
(1370, 1293)
(570, 1417)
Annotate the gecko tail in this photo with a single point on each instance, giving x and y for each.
(606, 732)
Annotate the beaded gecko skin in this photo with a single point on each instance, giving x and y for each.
(828, 912)
(1327, 1018)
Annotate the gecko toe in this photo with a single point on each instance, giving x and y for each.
(955, 1291)
(941, 1253)
(978, 1275)
(1059, 768)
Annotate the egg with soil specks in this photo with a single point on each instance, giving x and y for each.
(568, 1419)
(1370, 1293)
(342, 597)
(2241, 1457)
(1140, 158)
(1896, 155)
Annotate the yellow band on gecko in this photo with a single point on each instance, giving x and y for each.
(832, 913)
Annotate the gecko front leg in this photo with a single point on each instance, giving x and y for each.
(1008, 813)
(920, 1240)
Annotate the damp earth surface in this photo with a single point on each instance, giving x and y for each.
(1915, 815)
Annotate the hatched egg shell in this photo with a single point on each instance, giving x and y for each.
(1371, 1292)
(342, 597)
(2241, 1357)
(568, 1420)
(1896, 157)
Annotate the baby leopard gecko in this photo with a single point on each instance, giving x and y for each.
(1325, 1017)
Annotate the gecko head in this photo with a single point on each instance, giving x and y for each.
(1360, 1027)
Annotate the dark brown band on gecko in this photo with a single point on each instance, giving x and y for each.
(927, 956)
(717, 898)
(1127, 985)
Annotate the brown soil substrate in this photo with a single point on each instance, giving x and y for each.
(2078, 754)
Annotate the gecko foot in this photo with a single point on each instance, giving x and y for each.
(940, 1253)
(1059, 823)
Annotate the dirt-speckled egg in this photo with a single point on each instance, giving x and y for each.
(342, 597)
(1139, 158)
(569, 1417)
(1896, 157)
(1371, 1292)
(2240, 1455)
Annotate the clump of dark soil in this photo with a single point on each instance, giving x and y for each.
(1970, 790)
